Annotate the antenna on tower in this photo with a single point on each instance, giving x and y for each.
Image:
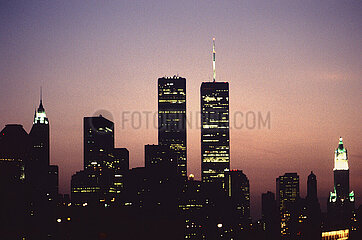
(41, 94)
(213, 60)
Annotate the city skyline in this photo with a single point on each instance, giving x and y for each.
(308, 77)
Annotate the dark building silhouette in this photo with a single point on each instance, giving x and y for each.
(161, 159)
(341, 201)
(312, 187)
(192, 209)
(102, 181)
(119, 160)
(238, 191)
(98, 141)
(42, 176)
(14, 201)
(92, 188)
(172, 118)
(215, 145)
(287, 188)
(310, 216)
(270, 216)
(151, 190)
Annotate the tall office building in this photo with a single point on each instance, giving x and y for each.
(119, 160)
(312, 187)
(238, 190)
(270, 217)
(341, 192)
(311, 224)
(102, 180)
(39, 134)
(172, 118)
(14, 155)
(215, 143)
(98, 141)
(287, 188)
(341, 200)
(42, 176)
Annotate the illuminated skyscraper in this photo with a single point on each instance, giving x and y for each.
(287, 188)
(98, 141)
(341, 176)
(172, 118)
(40, 138)
(215, 144)
(341, 200)
(42, 176)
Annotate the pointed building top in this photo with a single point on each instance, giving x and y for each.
(213, 60)
(41, 108)
(40, 116)
(340, 145)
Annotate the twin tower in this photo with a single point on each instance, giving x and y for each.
(215, 133)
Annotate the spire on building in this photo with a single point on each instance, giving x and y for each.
(213, 60)
(340, 146)
(40, 116)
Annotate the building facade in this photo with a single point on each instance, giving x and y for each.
(215, 134)
(172, 118)
(341, 201)
(287, 188)
(98, 141)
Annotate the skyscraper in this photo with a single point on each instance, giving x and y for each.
(312, 187)
(39, 134)
(287, 188)
(238, 190)
(215, 143)
(270, 215)
(312, 210)
(102, 180)
(172, 118)
(14, 156)
(341, 192)
(98, 141)
(341, 200)
(42, 176)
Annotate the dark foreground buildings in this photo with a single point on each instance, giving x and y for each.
(29, 183)
(102, 180)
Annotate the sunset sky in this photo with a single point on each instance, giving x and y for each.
(299, 60)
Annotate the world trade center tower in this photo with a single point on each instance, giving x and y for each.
(172, 119)
(215, 143)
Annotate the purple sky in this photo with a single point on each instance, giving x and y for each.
(300, 61)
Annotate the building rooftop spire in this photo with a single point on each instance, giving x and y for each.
(40, 116)
(41, 108)
(213, 60)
